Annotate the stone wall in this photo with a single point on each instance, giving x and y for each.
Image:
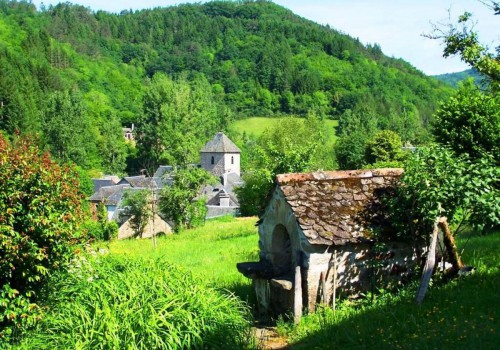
(223, 163)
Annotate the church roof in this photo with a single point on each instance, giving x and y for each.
(220, 144)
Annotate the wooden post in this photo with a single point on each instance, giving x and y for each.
(429, 264)
(323, 289)
(297, 297)
(334, 297)
(451, 248)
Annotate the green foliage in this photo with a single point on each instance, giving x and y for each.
(179, 202)
(290, 146)
(385, 146)
(68, 130)
(178, 117)
(437, 183)
(115, 302)
(461, 39)
(469, 123)
(137, 205)
(40, 209)
(238, 58)
(454, 79)
(102, 229)
(361, 144)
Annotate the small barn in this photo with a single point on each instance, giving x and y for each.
(324, 224)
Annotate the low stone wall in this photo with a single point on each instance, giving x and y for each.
(359, 269)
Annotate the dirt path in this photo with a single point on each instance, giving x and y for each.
(268, 338)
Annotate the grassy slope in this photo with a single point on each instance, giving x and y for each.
(462, 314)
(257, 125)
(210, 252)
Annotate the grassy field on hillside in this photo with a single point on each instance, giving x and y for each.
(257, 125)
(210, 252)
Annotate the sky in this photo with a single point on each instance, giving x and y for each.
(396, 25)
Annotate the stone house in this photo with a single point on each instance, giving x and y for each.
(323, 222)
(111, 196)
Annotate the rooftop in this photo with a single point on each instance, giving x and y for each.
(337, 207)
(220, 144)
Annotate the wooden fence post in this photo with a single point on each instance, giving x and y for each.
(429, 264)
(334, 297)
(297, 297)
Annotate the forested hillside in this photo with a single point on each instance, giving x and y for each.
(454, 78)
(76, 76)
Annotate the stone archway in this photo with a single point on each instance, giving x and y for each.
(281, 250)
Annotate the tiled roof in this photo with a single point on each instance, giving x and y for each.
(220, 144)
(109, 195)
(336, 207)
(141, 181)
(162, 169)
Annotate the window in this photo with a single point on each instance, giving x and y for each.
(213, 160)
(232, 159)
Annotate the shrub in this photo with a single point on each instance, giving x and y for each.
(117, 303)
(40, 208)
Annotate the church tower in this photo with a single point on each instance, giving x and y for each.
(220, 155)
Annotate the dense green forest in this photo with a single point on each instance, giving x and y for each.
(76, 76)
(454, 78)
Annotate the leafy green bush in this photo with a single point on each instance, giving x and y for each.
(40, 209)
(116, 303)
(437, 183)
(469, 123)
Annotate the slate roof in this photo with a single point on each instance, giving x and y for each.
(109, 195)
(98, 183)
(162, 170)
(141, 181)
(330, 207)
(220, 144)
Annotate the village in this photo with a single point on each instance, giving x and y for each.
(220, 157)
(249, 175)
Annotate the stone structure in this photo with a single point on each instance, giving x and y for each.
(220, 155)
(110, 191)
(312, 218)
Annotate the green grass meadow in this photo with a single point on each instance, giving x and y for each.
(255, 126)
(187, 293)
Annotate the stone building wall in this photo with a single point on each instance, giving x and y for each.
(223, 163)
(320, 213)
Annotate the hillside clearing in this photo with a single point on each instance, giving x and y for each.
(255, 126)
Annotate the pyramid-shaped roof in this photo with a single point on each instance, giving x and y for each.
(220, 144)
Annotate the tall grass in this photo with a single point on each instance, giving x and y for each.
(209, 252)
(121, 303)
(461, 314)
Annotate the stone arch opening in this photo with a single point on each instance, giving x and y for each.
(212, 160)
(281, 250)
